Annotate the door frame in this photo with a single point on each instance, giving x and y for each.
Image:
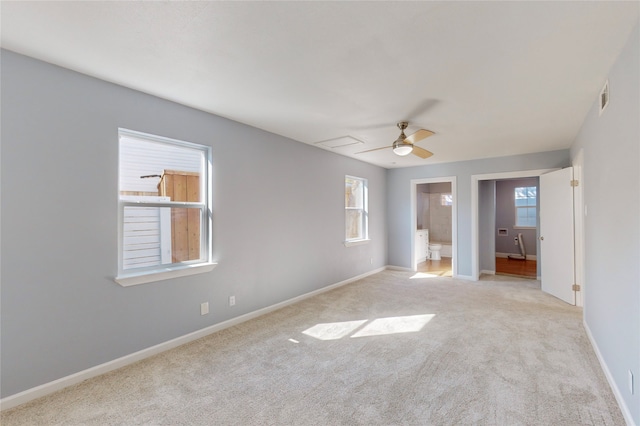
(578, 225)
(475, 188)
(454, 219)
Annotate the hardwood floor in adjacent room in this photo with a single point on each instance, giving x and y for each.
(518, 268)
(441, 268)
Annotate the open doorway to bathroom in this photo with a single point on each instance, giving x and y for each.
(433, 226)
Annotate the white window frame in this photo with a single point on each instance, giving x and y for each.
(364, 239)
(534, 207)
(144, 275)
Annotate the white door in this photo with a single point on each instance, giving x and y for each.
(556, 234)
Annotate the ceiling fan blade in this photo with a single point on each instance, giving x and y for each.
(375, 149)
(419, 135)
(421, 152)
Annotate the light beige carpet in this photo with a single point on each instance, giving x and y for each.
(386, 350)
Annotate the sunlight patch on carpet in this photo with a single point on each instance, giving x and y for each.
(394, 325)
(423, 275)
(333, 330)
(376, 327)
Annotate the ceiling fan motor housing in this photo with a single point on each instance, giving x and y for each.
(400, 145)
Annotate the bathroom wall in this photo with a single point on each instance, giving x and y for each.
(440, 215)
(422, 206)
(431, 213)
(506, 218)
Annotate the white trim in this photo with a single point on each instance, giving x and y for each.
(484, 271)
(466, 277)
(356, 242)
(159, 274)
(578, 223)
(454, 219)
(475, 179)
(399, 268)
(56, 385)
(626, 413)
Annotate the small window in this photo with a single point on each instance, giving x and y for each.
(446, 200)
(164, 208)
(355, 196)
(525, 202)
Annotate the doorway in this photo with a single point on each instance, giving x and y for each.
(433, 221)
(483, 218)
(516, 227)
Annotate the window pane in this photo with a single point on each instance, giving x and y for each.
(353, 193)
(526, 216)
(525, 195)
(143, 163)
(354, 224)
(155, 236)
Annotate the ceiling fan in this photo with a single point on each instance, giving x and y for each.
(406, 145)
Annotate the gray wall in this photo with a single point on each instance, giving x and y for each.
(278, 223)
(506, 218)
(400, 233)
(486, 225)
(611, 186)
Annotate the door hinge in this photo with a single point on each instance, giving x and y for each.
(575, 287)
(574, 182)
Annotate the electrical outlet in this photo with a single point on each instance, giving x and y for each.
(631, 382)
(204, 308)
(232, 300)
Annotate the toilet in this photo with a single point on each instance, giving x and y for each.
(434, 251)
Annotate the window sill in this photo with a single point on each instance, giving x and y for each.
(356, 242)
(169, 272)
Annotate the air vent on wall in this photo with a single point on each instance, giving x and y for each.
(604, 97)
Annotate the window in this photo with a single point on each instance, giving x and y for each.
(446, 200)
(355, 202)
(164, 208)
(525, 202)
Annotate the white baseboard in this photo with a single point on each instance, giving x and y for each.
(56, 385)
(465, 277)
(484, 271)
(505, 255)
(398, 268)
(616, 391)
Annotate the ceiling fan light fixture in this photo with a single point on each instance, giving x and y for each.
(400, 147)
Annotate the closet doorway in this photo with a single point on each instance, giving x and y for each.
(516, 226)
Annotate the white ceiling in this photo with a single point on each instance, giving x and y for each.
(490, 78)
